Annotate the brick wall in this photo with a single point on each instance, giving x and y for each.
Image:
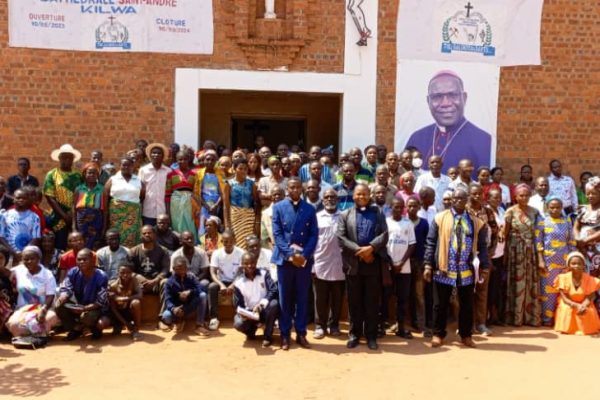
(108, 100)
(545, 112)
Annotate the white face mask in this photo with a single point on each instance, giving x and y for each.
(417, 163)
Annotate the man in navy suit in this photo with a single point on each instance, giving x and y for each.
(296, 233)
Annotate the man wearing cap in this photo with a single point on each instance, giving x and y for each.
(59, 186)
(452, 136)
(154, 175)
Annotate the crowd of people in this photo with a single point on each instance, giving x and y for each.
(288, 237)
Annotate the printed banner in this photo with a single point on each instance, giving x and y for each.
(161, 26)
(503, 32)
(448, 109)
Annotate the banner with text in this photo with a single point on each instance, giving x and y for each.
(160, 26)
(503, 32)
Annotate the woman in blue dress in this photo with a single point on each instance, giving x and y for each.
(554, 245)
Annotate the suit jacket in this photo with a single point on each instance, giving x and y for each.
(291, 227)
(348, 238)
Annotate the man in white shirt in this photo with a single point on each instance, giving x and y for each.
(435, 180)
(401, 245)
(463, 180)
(224, 268)
(154, 176)
(263, 256)
(563, 187)
(538, 200)
(254, 291)
(328, 275)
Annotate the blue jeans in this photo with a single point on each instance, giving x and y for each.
(196, 305)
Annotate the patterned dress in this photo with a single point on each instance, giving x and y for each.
(61, 185)
(523, 287)
(556, 242)
(89, 213)
(241, 210)
(178, 198)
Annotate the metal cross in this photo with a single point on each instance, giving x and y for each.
(469, 7)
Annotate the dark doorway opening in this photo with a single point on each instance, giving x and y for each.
(245, 129)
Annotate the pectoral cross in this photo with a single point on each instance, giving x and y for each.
(469, 7)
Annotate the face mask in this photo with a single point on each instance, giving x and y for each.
(417, 163)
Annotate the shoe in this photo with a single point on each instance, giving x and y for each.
(352, 342)
(96, 334)
(136, 336)
(285, 343)
(267, 343)
(117, 330)
(484, 330)
(394, 328)
(319, 333)
(202, 331)
(404, 333)
(72, 335)
(301, 340)
(468, 342)
(164, 327)
(179, 327)
(436, 341)
(213, 325)
(372, 344)
(335, 331)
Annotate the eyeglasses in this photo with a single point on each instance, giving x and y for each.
(437, 98)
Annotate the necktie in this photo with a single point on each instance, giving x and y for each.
(458, 232)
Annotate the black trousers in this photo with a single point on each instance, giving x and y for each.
(402, 295)
(328, 302)
(364, 293)
(497, 289)
(441, 304)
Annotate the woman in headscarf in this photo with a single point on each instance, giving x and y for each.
(587, 226)
(125, 192)
(179, 195)
(36, 287)
(556, 242)
(575, 313)
(89, 207)
(241, 204)
(521, 232)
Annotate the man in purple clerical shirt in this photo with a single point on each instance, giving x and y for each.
(452, 136)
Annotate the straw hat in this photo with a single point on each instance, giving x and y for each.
(154, 145)
(66, 148)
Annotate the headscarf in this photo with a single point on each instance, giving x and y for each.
(553, 198)
(575, 254)
(215, 219)
(88, 166)
(593, 183)
(523, 186)
(33, 249)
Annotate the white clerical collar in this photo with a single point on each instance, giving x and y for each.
(441, 128)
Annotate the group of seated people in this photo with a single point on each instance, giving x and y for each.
(196, 227)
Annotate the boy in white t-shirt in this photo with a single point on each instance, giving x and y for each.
(225, 266)
(401, 245)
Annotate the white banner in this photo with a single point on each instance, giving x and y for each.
(501, 32)
(162, 26)
(448, 109)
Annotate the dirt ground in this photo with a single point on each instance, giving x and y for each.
(513, 364)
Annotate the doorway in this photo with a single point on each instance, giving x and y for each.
(245, 130)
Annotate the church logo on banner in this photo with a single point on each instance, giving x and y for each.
(467, 31)
(112, 33)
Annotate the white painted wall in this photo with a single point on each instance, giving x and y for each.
(357, 85)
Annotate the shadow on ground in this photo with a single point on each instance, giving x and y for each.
(19, 381)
